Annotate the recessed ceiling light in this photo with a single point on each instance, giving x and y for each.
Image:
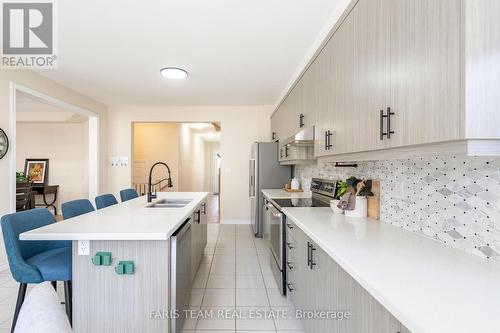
(174, 73)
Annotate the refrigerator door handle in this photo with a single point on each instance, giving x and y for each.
(251, 184)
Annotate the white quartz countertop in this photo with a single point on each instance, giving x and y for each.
(282, 194)
(428, 286)
(129, 220)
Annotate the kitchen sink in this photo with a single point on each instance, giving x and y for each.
(169, 203)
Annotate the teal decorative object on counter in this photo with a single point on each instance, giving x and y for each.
(102, 259)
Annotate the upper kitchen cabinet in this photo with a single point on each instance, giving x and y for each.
(368, 81)
(309, 97)
(401, 78)
(425, 72)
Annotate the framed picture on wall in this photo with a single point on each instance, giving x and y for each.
(37, 170)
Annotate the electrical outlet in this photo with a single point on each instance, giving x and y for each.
(83, 247)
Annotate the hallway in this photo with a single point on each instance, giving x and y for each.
(213, 208)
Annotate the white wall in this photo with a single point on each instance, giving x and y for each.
(68, 158)
(241, 126)
(154, 142)
(191, 161)
(41, 84)
(212, 148)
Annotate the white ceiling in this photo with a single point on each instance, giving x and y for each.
(33, 109)
(236, 52)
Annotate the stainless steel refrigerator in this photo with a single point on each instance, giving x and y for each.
(265, 173)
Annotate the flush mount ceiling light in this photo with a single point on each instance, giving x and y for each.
(174, 73)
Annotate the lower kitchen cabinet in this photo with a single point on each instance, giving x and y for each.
(317, 282)
(198, 237)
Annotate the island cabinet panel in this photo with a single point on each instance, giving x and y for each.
(317, 282)
(198, 237)
(104, 301)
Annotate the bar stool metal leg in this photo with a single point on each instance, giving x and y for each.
(20, 300)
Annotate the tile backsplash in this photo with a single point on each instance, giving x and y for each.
(451, 199)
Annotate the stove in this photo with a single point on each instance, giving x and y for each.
(302, 202)
(322, 192)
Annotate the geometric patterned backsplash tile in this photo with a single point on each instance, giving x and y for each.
(451, 199)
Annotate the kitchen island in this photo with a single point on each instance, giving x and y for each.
(132, 292)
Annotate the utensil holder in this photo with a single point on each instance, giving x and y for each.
(360, 210)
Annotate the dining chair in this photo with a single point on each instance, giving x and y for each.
(24, 195)
(76, 207)
(128, 194)
(105, 200)
(35, 261)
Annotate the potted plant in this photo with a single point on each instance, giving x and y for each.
(20, 177)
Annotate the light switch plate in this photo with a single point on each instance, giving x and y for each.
(83, 247)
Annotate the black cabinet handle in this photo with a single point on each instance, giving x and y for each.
(308, 254)
(312, 256)
(198, 215)
(290, 287)
(289, 264)
(204, 208)
(286, 151)
(289, 245)
(328, 140)
(281, 152)
(389, 129)
(382, 125)
(301, 120)
(274, 136)
(289, 225)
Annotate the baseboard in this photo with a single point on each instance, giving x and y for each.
(235, 221)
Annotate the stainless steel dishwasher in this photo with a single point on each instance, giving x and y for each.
(180, 274)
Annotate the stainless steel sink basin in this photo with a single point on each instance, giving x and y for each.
(169, 203)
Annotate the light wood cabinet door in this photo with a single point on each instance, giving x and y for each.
(425, 71)
(324, 103)
(195, 241)
(309, 89)
(203, 234)
(344, 120)
(369, 82)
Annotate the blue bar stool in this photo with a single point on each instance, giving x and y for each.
(105, 200)
(76, 207)
(35, 261)
(128, 194)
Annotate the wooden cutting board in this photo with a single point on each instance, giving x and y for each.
(374, 202)
(292, 191)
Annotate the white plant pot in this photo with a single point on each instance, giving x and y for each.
(335, 209)
(360, 210)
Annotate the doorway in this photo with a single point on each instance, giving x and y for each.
(190, 149)
(55, 148)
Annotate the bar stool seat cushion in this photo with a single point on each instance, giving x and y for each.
(53, 265)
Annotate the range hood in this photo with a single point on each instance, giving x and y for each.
(303, 138)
